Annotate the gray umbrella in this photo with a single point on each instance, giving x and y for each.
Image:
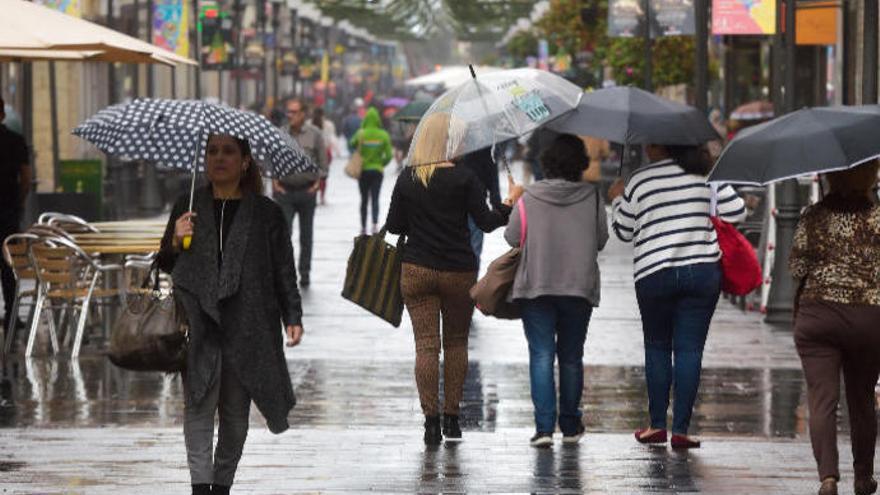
(632, 116)
(806, 142)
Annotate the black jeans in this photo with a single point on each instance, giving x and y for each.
(8, 225)
(370, 184)
(302, 203)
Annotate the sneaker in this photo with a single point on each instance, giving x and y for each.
(304, 281)
(433, 436)
(375, 228)
(541, 439)
(451, 429)
(575, 437)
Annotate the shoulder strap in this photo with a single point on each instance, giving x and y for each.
(523, 221)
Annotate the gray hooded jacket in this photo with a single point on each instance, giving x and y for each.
(566, 229)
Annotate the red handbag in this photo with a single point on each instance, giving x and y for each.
(740, 270)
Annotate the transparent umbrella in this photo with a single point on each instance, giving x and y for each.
(490, 109)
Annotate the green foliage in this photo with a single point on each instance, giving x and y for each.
(673, 58)
(523, 44)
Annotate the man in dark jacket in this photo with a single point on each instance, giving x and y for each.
(483, 166)
(15, 180)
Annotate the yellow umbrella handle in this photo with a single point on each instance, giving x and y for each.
(187, 241)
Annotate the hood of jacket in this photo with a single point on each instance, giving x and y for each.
(372, 119)
(561, 192)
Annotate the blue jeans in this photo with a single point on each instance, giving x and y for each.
(676, 305)
(556, 326)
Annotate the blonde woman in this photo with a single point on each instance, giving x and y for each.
(430, 206)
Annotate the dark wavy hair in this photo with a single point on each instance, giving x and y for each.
(251, 180)
(565, 159)
(694, 160)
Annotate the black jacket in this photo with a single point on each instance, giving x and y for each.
(241, 306)
(435, 219)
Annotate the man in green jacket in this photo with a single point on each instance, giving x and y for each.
(374, 145)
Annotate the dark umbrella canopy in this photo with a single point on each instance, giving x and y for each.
(806, 142)
(413, 111)
(632, 116)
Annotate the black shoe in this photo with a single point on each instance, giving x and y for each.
(222, 490)
(541, 439)
(451, 429)
(304, 281)
(433, 436)
(201, 489)
(574, 437)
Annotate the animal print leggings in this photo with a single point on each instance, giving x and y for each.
(428, 294)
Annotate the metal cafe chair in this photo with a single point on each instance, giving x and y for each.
(15, 253)
(69, 280)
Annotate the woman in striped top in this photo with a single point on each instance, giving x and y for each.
(664, 210)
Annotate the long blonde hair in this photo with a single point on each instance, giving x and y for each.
(439, 136)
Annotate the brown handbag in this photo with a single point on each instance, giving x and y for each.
(490, 292)
(152, 333)
(355, 165)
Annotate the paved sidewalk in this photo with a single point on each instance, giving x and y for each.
(87, 427)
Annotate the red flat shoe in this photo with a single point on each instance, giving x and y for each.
(683, 442)
(658, 436)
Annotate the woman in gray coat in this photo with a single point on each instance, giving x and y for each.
(237, 285)
(557, 282)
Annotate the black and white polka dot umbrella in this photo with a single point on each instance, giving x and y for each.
(174, 133)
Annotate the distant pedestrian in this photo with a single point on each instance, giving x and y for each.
(329, 132)
(352, 122)
(836, 260)
(557, 282)
(664, 210)
(375, 147)
(15, 184)
(296, 193)
(483, 166)
(430, 205)
(237, 286)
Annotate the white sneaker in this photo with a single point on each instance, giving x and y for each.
(375, 228)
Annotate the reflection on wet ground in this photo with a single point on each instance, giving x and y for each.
(93, 392)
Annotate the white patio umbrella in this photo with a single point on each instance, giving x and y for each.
(28, 26)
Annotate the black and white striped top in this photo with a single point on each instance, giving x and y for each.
(665, 213)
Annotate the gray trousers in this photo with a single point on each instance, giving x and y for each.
(300, 203)
(229, 397)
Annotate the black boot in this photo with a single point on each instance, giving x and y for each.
(201, 489)
(222, 490)
(432, 430)
(451, 429)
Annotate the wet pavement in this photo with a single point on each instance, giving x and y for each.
(84, 426)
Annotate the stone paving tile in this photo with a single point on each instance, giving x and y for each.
(150, 461)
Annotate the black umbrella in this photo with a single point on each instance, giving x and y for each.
(413, 111)
(632, 116)
(806, 142)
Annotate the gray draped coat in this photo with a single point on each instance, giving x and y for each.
(239, 307)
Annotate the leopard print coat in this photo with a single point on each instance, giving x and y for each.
(836, 252)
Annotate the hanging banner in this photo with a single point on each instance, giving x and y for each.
(171, 25)
(216, 35)
(626, 19)
(817, 24)
(69, 7)
(672, 18)
(743, 17)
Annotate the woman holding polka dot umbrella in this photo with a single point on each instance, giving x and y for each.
(240, 254)
(174, 133)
